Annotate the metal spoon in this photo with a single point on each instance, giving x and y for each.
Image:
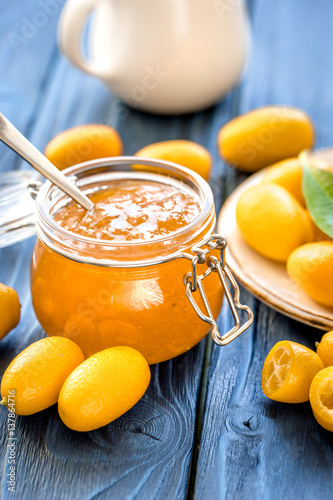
(20, 144)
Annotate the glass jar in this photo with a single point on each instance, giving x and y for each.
(159, 296)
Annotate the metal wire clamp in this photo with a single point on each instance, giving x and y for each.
(194, 282)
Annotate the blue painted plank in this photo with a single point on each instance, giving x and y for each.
(25, 63)
(28, 51)
(147, 452)
(134, 457)
(251, 447)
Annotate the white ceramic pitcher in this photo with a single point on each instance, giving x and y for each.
(164, 56)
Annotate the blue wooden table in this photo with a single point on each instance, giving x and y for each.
(203, 429)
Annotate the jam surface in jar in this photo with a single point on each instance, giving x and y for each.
(131, 210)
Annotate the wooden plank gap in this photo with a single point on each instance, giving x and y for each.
(199, 418)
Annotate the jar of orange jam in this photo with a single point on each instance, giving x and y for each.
(142, 268)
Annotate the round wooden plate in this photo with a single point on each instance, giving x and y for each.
(266, 279)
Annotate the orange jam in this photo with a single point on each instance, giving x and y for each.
(105, 277)
(131, 210)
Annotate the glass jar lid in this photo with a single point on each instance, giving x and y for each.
(17, 208)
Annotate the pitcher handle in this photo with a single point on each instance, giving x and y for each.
(70, 31)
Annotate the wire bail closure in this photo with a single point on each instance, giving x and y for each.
(194, 282)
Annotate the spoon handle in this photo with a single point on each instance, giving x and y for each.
(18, 143)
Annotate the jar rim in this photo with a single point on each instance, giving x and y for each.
(50, 232)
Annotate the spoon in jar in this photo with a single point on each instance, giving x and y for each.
(20, 144)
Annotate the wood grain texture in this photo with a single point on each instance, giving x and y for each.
(143, 454)
(250, 446)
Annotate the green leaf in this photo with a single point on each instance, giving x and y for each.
(318, 194)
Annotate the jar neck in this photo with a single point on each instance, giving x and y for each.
(99, 174)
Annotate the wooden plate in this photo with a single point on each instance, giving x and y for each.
(266, 279)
